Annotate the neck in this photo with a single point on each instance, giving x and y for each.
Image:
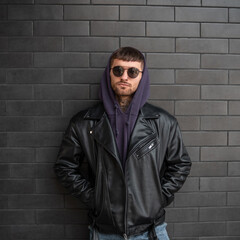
(124, 102)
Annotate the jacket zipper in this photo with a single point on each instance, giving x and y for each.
(124, 173)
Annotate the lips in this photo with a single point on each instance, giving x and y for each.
(121, 84)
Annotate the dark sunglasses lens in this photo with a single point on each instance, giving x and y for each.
(133, 72)
(118, 71)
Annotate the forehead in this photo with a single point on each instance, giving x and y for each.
(127, 64)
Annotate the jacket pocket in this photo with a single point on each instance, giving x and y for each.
(151, 145)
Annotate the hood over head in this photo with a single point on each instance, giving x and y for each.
(123, 122)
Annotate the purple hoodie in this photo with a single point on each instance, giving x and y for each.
(123, 122)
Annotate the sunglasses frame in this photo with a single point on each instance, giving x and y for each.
(138, 71)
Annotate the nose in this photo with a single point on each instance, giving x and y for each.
(125, 75)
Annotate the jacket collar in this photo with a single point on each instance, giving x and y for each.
(148, 111)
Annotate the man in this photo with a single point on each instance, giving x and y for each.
(135, 154)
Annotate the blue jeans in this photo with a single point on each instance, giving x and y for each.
(160, 231)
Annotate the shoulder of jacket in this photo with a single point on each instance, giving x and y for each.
(152, 111)
(94, 112)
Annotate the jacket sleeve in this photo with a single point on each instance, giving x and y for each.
(67, 167)
(177, 162)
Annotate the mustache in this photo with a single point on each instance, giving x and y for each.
(124, 82)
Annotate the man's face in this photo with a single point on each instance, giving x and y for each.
(124, 85)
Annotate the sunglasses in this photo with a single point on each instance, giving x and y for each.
(132, 72)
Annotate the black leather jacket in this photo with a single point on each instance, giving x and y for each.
(126, 200)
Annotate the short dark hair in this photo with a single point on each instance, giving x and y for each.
(127, 54)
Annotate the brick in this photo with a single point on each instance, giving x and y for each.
(62, 216)
(13, 28)
(94, 92)
(34, 76)
(234, 15)
(234, 77)
(200, 199)
(220, 123)
(44, 155)
(3, 139)
(205, 138)
(136, 2)
(150, 44)
(146, 13)
(219, 30)
(199, 229)
(201, 108)
(2, 76)
(22, 170)
(220, 153)
(202, 76)
(91, 12)
(17, 124)
(234, 138)
(61, 60)
(234, 169)
(175, 2)
(4, 172)
(72, 107)
(220, 61)
(209, 169)
(16, 60)
(234, 107)
(74, 231)
(218, 238)
(61, 28)
(14, 217)
(161, 76)
(173, 29)
(43, 44)
(34, 139)
(17, 155)
(41, 231)
(45, 170)
(32, 12)
(220, 92)
(49, 186)
(233, 228)
(111, 28)
(86, 44)
(3, 44)
(220, 3)
(46, 92)
(2, 108)
(72, 202)
(174, 92)
(34, 108)
(201, 45)
(189, 123)
(158, 60)
(234, 45)
(193, 153)
(51, 124)
(220, 184)
(233, 198)
(33, 201)
(62, 1)
(5, 232)
(191, 185)
(99, 59)
(3, 203)
(181, 215)
(82, 75)
(166, 105)
(16, 92)
(194, 14)
(3, 12)
(17, 186)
